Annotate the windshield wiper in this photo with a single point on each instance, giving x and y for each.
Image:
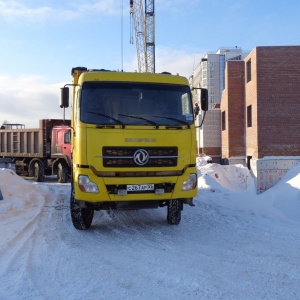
(141, 118)
(174, 119)
(108, 117)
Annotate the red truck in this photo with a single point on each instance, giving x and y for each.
(40, 151)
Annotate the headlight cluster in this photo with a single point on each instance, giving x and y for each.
(190, 184)
(86, 185)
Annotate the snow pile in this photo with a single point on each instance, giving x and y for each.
(203, 160)
(235, 178)
(22, 202)
(285, 195)
(233, 244)
(17, 193)
(283, 200)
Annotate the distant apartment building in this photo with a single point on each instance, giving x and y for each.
(210, 74)
(260, 113)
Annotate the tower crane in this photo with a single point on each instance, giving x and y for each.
(144, 28)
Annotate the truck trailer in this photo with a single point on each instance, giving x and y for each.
(133, 143)
(40, 151)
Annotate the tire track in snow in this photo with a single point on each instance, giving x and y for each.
(49, 240)
(16, 257)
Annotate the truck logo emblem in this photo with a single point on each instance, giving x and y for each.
(141, 157)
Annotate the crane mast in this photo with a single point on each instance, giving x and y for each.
(143, 19)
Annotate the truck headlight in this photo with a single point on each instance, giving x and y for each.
(86, 185)
(190, 184)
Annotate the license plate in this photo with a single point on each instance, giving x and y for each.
(140, 187)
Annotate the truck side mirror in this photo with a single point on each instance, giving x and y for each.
(64, 97)
(204, 99)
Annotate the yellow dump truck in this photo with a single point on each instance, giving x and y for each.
(133, 143)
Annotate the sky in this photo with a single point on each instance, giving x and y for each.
(233, 244)
(42, 40)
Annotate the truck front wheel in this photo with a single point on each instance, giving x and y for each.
(174, 212)
(82, 217)
(62, 173)
(39, 171)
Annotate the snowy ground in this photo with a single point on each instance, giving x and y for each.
(233, 244)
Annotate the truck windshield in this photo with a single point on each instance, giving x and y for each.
(135, 104)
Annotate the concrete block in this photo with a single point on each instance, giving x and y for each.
(269, 170)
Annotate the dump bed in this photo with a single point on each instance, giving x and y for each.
(34, 142)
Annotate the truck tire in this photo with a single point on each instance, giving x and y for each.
(39, 171)
(81, 217)
(174, 212)
(62, 173)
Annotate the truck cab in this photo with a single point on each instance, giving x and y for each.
(61, 141)
(133, 143)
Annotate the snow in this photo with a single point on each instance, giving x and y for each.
(233, 244)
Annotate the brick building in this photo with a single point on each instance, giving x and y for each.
(233, 113)
(272, 103)
(260, 112)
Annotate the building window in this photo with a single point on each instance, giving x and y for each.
(222, 65)
(249, 116)
(223, 120)
(248, 66)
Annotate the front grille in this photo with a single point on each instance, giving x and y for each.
(124, 157)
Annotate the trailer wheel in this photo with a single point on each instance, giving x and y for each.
(174, 212)
(81, 217)
(39, 171)
(62, 173)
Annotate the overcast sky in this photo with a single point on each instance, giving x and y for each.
(41, 40)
